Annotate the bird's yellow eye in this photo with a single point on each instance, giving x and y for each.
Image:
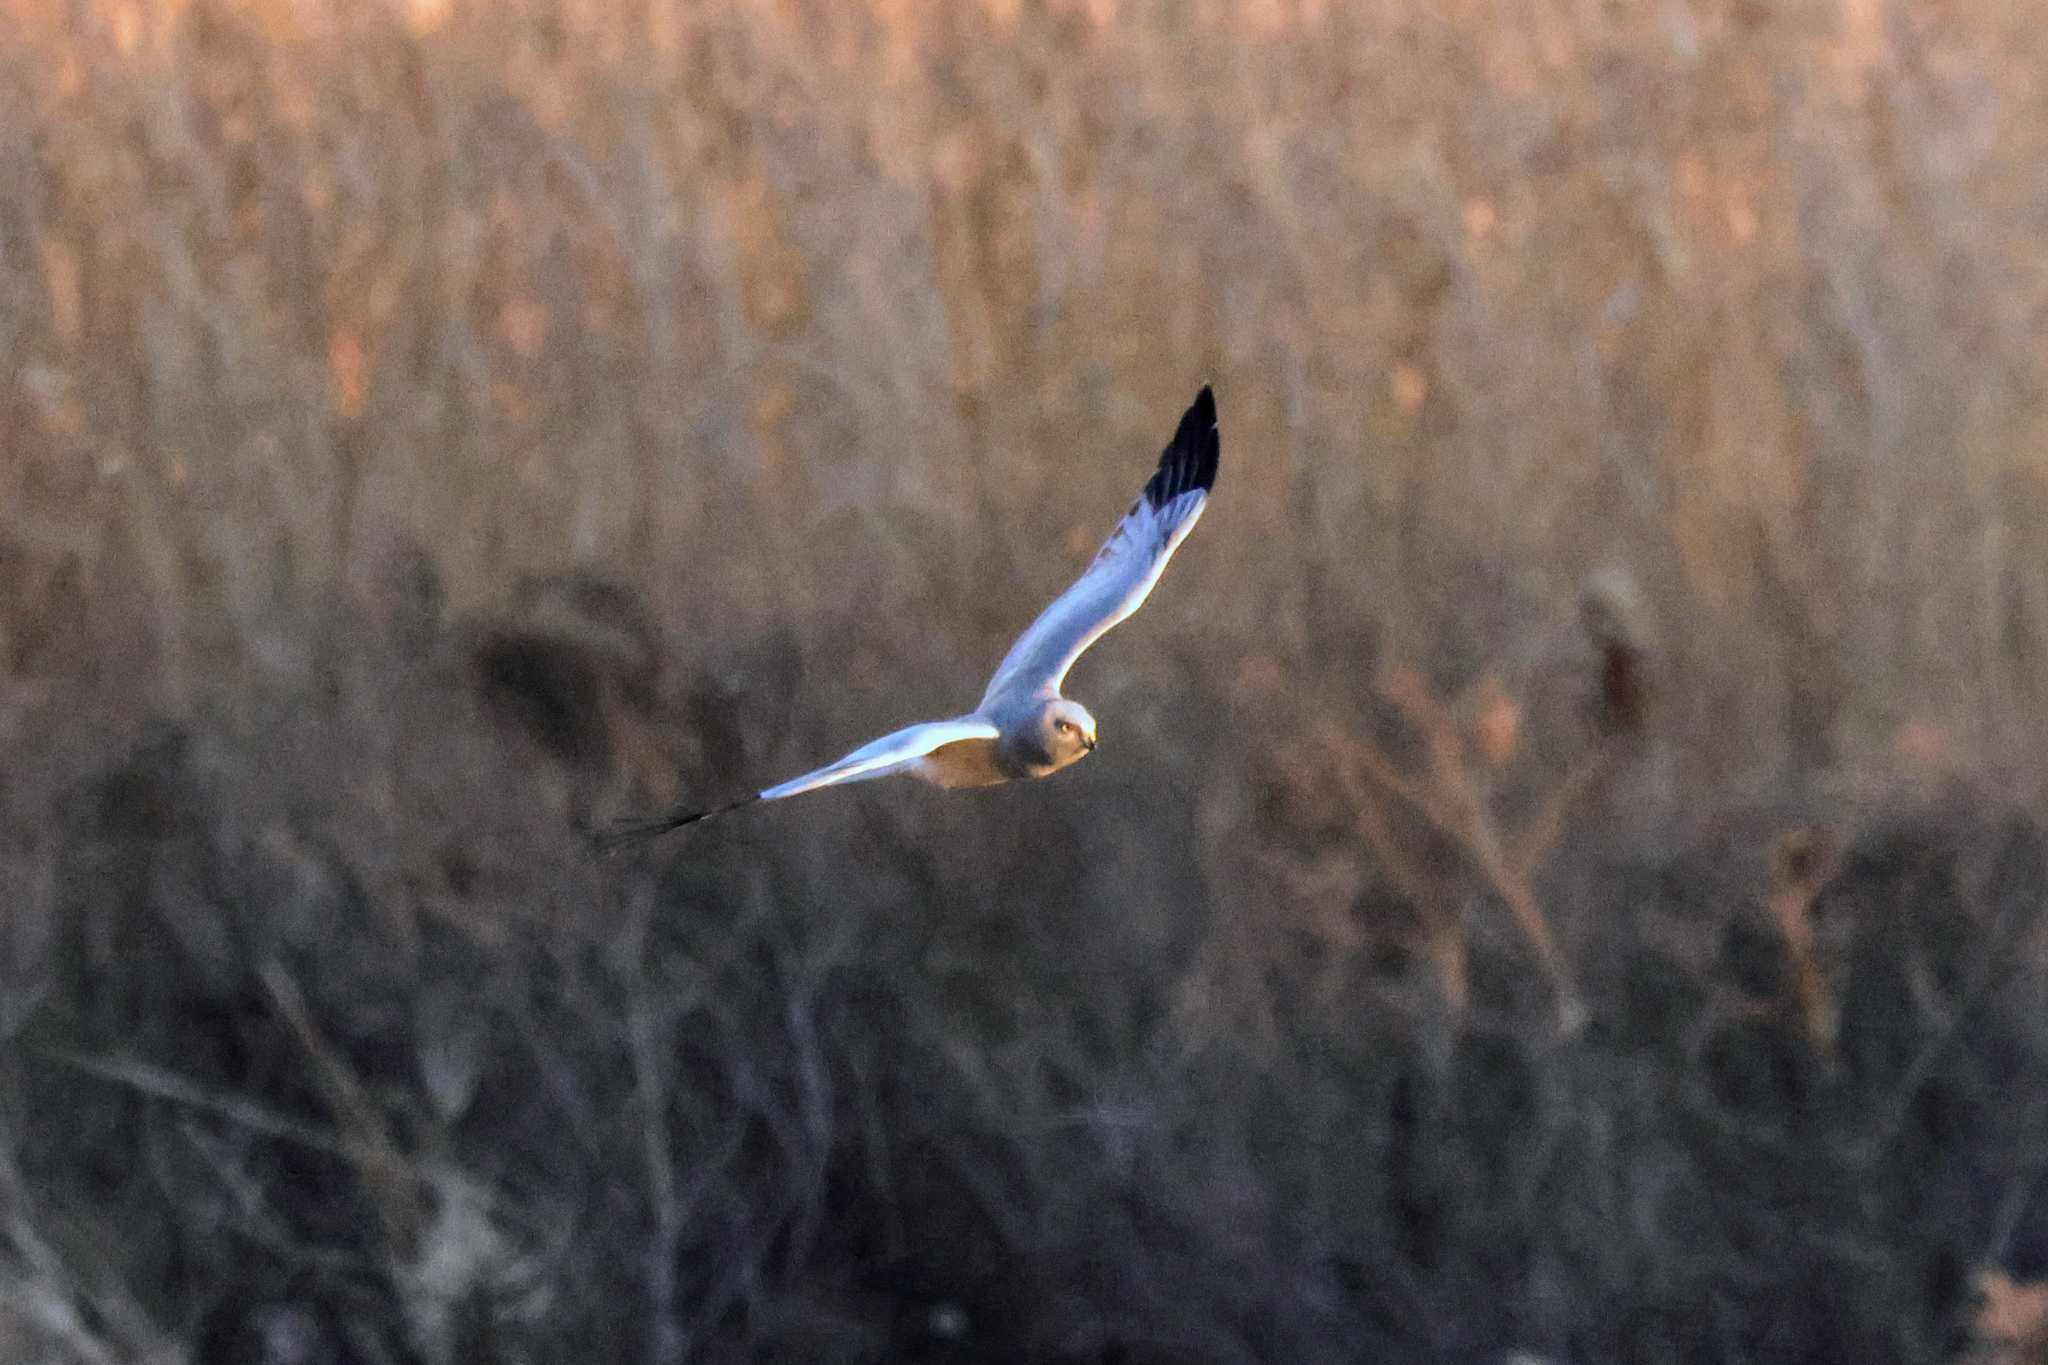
(1062, 726)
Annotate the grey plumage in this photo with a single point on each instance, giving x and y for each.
(1124, 570)
(1023, 727)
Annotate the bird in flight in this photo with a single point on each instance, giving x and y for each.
(1023, 727)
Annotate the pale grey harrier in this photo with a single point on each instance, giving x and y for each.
(1023, 726)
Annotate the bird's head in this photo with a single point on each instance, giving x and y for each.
(1067, 731)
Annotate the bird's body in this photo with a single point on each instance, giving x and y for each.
(1023, 727)
(966, 763)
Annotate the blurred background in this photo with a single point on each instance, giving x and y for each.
(1565, 868)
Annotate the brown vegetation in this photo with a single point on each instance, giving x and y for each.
(1565, 868)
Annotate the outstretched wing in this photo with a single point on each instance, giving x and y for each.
(1125, 569)
(889, 754)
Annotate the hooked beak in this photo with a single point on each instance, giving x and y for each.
(1087, 744)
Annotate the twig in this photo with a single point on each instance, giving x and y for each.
(395, 1199)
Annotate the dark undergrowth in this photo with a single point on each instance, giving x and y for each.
(887, 1075)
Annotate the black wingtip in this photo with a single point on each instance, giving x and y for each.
(621, 834)
(1189, 461)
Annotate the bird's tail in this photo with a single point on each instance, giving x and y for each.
(636, 829)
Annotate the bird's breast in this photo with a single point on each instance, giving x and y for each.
(964, 763)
